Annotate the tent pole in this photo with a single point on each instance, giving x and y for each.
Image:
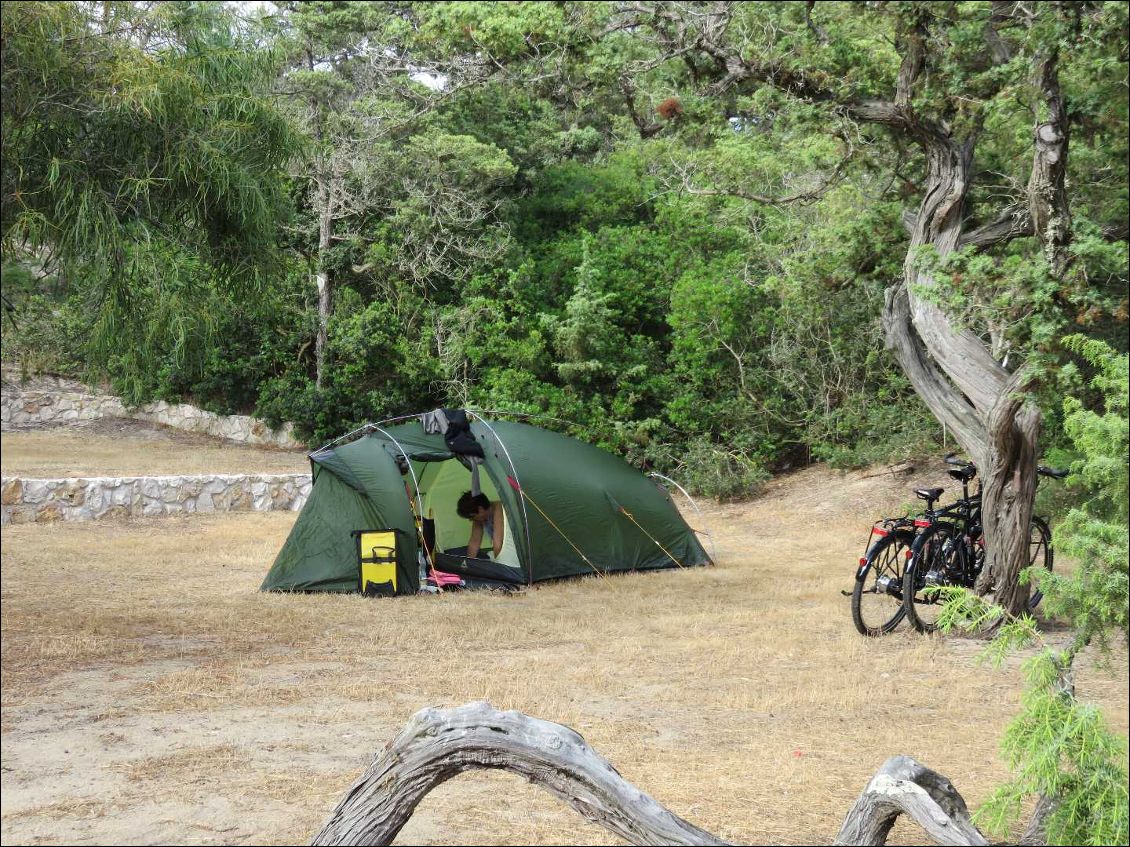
(521, 500)
(341, 438)
(363, 427)
(698, 511)
(419, 510)
(398, 418)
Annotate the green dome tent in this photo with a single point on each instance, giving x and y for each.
(570, 508)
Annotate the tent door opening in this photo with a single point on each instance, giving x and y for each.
(446, 534)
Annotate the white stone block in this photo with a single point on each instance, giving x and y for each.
(150, 487)
(97, 500)
(36, 490)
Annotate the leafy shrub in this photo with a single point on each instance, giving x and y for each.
(714, 471)
(47, 335)
(879, 432)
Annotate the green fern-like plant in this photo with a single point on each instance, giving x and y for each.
(1058, 746)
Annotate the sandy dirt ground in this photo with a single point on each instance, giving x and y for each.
(152, 695)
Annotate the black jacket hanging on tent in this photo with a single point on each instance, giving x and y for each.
(458, 437)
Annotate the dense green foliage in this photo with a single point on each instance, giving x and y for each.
(1095, 596)
(142, 165)
(575, 227)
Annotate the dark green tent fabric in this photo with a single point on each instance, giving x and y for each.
(579, 499)
(330, 460)
(572, 508)
(371, 463)
(320, 554)
(364, 490)
(416, 442)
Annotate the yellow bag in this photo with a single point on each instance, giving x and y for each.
(376, 560)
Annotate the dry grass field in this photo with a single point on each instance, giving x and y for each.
(152, 695)
(122, 447)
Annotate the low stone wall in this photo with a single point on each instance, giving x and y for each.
(83, 499)
(53, 400)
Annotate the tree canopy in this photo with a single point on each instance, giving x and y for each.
(669, 223)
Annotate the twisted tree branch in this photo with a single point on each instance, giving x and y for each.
(438, 744)
(903, 786)
(1013, 222)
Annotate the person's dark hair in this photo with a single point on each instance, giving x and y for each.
(470, 503)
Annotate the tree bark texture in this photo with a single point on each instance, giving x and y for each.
(903, 786)
(1047, 186)
(1014, 425)
(437, 744)
(323, 278)
(953, 372)
(958, 379)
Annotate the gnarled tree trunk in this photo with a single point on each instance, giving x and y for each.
(956, 376)
(952, 371)
(903, 786)
(436, 745)
(1013, 425)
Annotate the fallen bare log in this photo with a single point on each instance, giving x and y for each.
(437, 744)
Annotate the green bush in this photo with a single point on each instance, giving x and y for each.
(901, 428)
(714, 471)
(1059, 746)
(47, 334)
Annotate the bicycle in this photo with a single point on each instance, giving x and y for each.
(950, 548)
(876, 599)
(877, 606)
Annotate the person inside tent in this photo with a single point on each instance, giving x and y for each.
(486, 518)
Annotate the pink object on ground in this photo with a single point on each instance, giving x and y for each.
(442, 578)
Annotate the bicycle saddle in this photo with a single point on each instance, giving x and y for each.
(929, 493)
(963, 474)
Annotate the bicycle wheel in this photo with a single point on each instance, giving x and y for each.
(1039, 555)
(876, 600)
(933, 553)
